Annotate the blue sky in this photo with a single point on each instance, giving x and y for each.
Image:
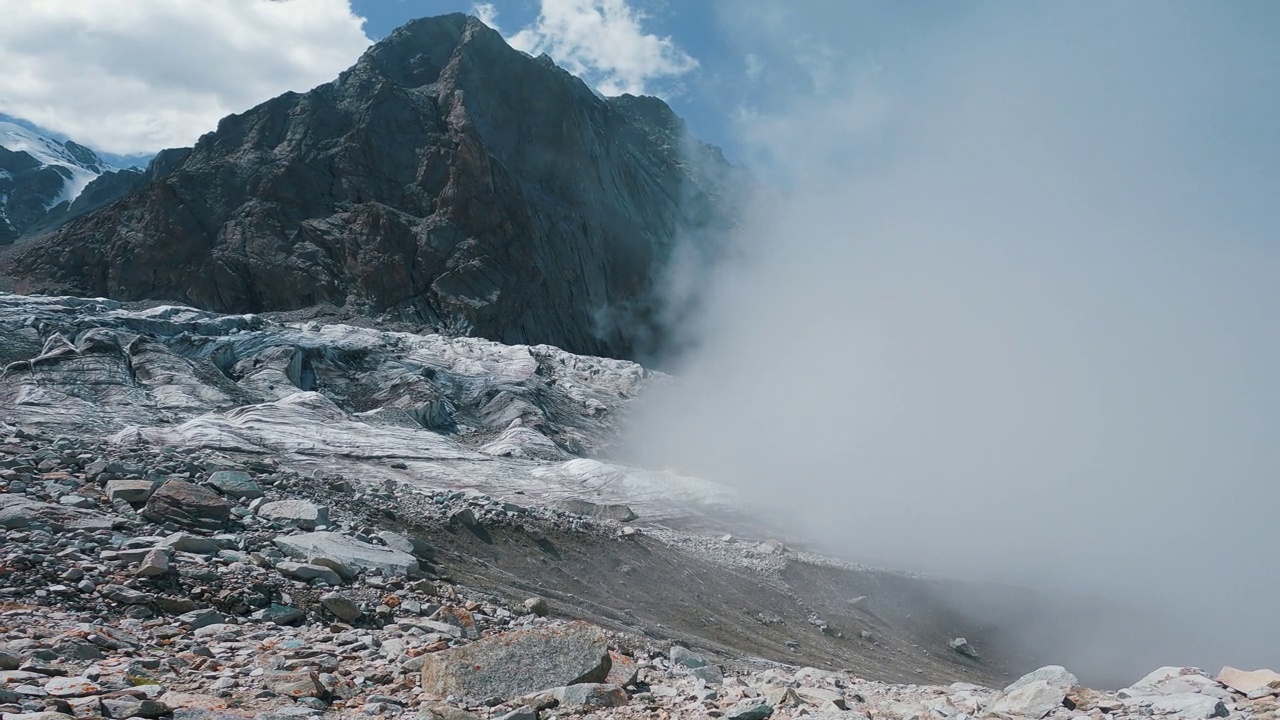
(717, 34)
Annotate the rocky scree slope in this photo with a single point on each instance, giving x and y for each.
(143, 582)
(490, 429)
(445, 178)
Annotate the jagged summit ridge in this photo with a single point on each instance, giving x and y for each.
(446, 178)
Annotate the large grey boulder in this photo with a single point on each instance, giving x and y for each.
(1246, 682)
(132, 491)
(346, 550)
(1189, 706)
(405, 544)
(1173, 680)
(186, 542)
(307, 572)
(684, 656)
(1053, 675)
(590, 695)
(1033, 699)
(342, 606)
(599, 511)
(235, 484)
(520, 662)
(293, 683)
(183, 503)
(302, 513)
(1037, 693)
(18, 512)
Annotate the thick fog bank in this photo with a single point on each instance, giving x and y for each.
(1011, 312)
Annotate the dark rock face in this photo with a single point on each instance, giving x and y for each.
(445, 179)
(27, 187)
(102, 191)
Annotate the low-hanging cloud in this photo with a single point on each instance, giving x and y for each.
(136, 76)
(1010, 314)
(603, 42)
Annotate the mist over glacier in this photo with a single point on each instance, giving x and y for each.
(1007, 311)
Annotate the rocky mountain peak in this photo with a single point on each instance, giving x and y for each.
(445, 179)
(415, 54)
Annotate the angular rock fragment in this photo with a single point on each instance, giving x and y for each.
(293, 683)
(124, 595)
(308, 572)
(538, 606)
(348, 551)
(71, 687)
(822, 697)
(590, 695)
(203, 617)
(155, 562)
(684, 656)
(622, 670)
(1173, 680)
(599, 511)
(1248, 681)
(962, 646)
(342, 606)
(405, 544)
(301, 513)
(279, 614)
(1033, 699)
(127, 707)
(1053, 675)
(465, 517)
(520, 662)
(181, 502)
(18, 512)
(709, 674)
(749, 710)
(134, 492)
(235, 484)
(1189, 706)
(186, 542)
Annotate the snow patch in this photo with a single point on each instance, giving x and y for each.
(52, 152)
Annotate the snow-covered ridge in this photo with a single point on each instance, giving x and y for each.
(81, 164)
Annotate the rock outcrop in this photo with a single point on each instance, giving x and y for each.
(446, 179)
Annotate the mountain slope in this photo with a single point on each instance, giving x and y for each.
(38, 174)
(446, 178)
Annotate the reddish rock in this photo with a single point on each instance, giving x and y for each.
(623, 671)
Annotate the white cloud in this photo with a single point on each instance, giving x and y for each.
(604, 42)
(487, 13)
(132, 76)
